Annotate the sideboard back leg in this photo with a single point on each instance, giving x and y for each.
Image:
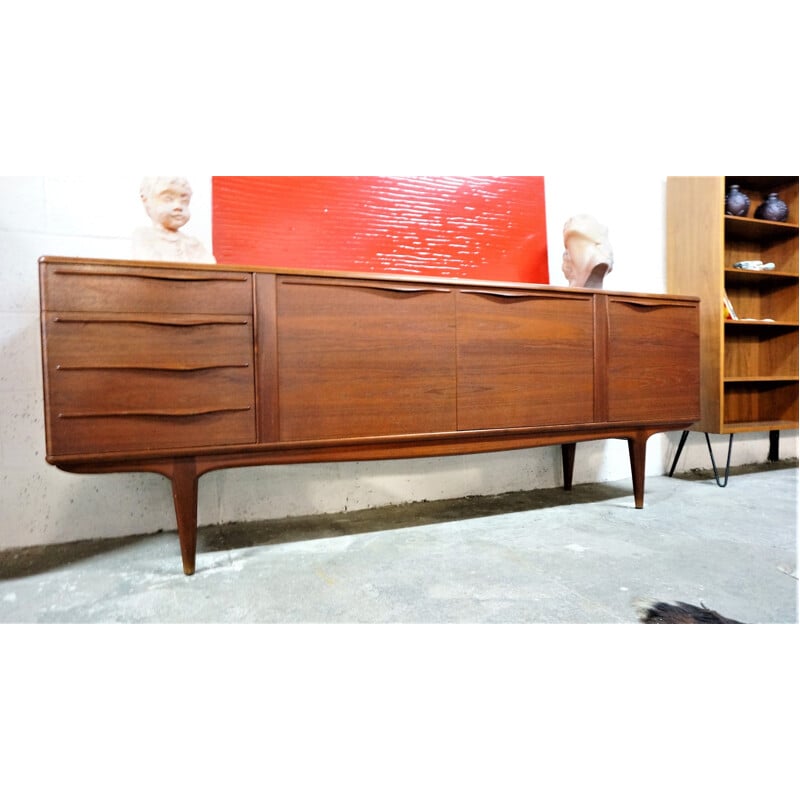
(568, 463)
(637, 449)
(184, 493)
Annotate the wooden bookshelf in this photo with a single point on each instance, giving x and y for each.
(749, 365)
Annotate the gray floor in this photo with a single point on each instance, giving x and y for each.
(544, 556)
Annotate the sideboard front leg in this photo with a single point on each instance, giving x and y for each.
(568, 463)
(184, 493)
(637, 448)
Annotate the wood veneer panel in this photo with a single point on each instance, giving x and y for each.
(136, 359)
(266, 353)
(653, 351)
(80, 340)
(152, 429)
(757, 351)
(511, 347)
(762, 296)
(695, 245)
(767, 405)
(78, 287)
(364, 359)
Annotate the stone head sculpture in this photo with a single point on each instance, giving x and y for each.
(588, 257)
(166, 201)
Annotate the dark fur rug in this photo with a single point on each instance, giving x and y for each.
(658, 613)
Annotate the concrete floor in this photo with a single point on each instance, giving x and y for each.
(545, 556)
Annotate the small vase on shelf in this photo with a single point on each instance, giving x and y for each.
(737, 203)
(772, 209)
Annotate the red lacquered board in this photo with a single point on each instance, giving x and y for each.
(471, 227)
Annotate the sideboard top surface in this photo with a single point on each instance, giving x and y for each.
(334, 275)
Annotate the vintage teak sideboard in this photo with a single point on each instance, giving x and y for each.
(180, 369)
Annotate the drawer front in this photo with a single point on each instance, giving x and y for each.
(90, 287)
(653, 360)
(127, 341)
(110, 411)
(126, 383)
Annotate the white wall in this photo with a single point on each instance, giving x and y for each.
(94, 216)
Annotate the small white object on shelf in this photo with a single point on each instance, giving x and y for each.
(754, 266)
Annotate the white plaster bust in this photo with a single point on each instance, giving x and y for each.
(166, 201)
(588, 257)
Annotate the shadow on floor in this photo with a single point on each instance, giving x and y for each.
(24, 561)
(430, 512)
(744, 469)
(20, 562)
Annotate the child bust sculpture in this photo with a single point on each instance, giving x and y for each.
(166, 201)
(588, 257)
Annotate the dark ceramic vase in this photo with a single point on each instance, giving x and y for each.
(772, 209)
(737, 203)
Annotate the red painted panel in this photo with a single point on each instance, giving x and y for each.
(461, 227)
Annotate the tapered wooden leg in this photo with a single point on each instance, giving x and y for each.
(184, 493)
(637, 448)
(568, 463)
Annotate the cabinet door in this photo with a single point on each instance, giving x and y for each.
(364, 358)
(653, 360)
(525, 358)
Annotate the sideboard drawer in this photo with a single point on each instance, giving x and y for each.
(145, 382)
(82, 287)
(80, 340)
(117, 410)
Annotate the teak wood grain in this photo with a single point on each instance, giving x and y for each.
(363, 358)
(185, 369)
(510, 345)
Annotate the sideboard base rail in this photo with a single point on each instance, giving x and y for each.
(184, 474)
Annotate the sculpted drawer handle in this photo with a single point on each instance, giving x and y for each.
(174, 320)
(163, 412)
(150, 275)
(398, 289)
(510, 294)
(153, 367)
(370, 286)
(648, 304)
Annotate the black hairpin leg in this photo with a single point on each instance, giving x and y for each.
(682, 442)
(721, 483)
(724, 482)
